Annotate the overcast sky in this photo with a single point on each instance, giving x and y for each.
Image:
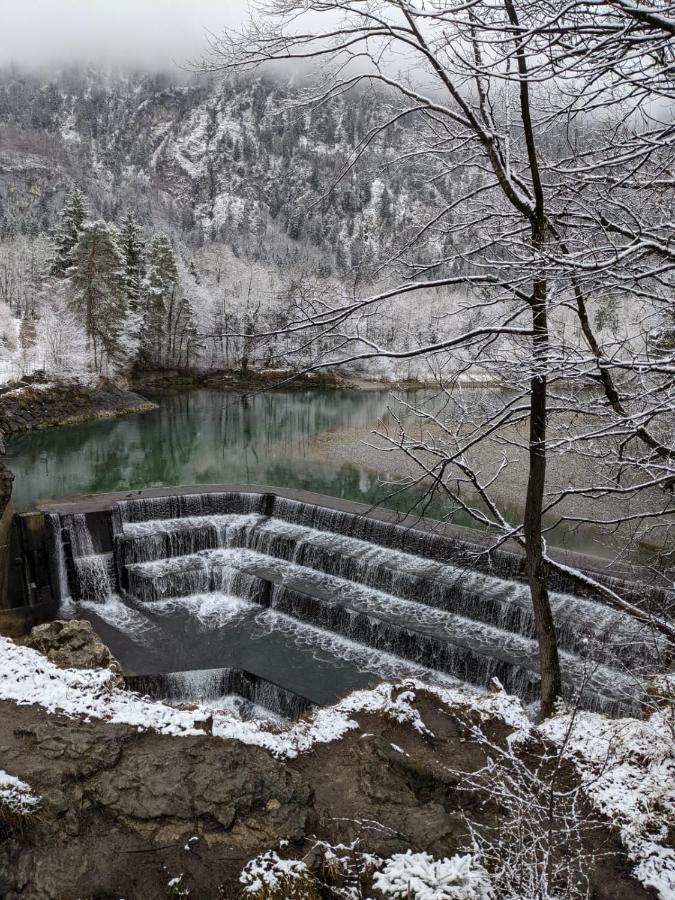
(139, 32)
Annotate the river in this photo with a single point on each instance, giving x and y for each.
(209, 436)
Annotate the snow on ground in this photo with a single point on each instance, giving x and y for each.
(627, 765)
(421, 876)
(16, 795)
(269, 872)
(28, 677)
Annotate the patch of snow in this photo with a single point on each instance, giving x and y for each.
(270, 872)
(16, 795)
(627, 767)
(399, 749)
(27, 677)
(421, 876)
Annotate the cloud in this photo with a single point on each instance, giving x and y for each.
(148, 33)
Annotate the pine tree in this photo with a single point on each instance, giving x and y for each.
(159, 293)
(72, 218)
(97, 278)
(133, 248)
(385, 207)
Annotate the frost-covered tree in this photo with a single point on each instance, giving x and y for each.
(60, 338)
(68, 231)
(536, 221)
(97, 279)
(133, 248)
(159, 298)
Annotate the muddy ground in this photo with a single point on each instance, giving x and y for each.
(120, 806)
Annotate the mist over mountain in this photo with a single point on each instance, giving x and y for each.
(233, 161)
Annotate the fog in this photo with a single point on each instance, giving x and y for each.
(146, 33)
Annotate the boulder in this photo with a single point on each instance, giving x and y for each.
(73, 644)
(6, 479)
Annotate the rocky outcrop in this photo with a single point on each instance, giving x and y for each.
(6, 479)
(73, 644)
(124, 812)
(27, 407)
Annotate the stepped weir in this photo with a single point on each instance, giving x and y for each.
(289, 603)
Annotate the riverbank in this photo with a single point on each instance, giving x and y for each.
(106, 776)
(257, 380)
(36, 406)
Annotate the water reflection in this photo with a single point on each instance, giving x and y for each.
(211, 436)
(200, 436)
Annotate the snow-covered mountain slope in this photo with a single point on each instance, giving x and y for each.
(224, 160)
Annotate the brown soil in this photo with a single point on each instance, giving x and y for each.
(120, 805)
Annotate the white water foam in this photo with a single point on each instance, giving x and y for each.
(212, 610)
(117, 613)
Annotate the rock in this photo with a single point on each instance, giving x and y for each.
(73, 644)
(41, 405)
(6, 479)
(123, 806)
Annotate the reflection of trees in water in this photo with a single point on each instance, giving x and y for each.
(198, 436)
(167, 445)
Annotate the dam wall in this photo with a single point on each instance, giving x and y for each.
(420, 591)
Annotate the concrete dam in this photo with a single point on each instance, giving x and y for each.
(278, 601)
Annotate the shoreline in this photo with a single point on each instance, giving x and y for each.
(36, 406)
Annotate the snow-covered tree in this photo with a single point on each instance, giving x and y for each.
(60, 338)
(133, 248)
(70, 225)
(97, 278)
(159, 298)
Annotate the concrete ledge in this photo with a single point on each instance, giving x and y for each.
(92, 503)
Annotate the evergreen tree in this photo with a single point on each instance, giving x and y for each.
(385, 207)
(97, 278)
(133, 248)
(160, 289)
(68, 231)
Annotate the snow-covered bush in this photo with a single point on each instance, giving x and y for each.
(421, 876)
(18, 803)
(176, 888)
(536, 847)
(8, 343)
(269, 877)
(8, 330)
(61, 339)
(627, 768)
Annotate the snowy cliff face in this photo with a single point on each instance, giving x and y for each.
(231, 161)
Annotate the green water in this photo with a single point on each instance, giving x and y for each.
(206, 436)
(201, 437)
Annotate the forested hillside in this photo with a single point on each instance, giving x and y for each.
(248, 190)
(234, 209)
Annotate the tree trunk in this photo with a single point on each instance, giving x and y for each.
(536, 567)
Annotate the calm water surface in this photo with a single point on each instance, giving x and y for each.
(206, 436)
(201, 437)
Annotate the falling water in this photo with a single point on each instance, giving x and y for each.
(435, 602)
(209, 686)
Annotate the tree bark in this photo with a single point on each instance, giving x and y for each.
(535, 563)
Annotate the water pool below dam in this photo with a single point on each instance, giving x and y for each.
(312, 601)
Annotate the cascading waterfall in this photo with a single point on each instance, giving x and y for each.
(95, 574)
(92, 571)
(208, 686)
(427, 599)
(57, 557)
